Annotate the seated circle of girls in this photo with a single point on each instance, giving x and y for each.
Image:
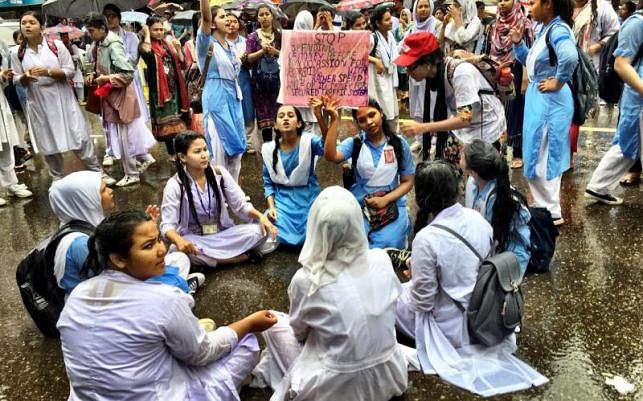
(146, 329)
(194, 212)
(489, 192)
(338, 340)
(443, 272)
(289, 180)
(383, 172)
(84, 196)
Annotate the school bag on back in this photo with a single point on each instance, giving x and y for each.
(496, 306)
(41, 295)
(610, 84)
(501, 81)
(583, 83)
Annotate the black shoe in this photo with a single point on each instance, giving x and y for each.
(608, 199)
(195, 280)
(398, 258)
(254, 256)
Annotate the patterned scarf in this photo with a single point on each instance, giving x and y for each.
(161, 49)
(501, 47)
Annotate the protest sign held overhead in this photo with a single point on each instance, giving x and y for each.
(325, 64)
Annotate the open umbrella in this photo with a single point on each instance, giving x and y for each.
(55, 31)
(184, 16)
(134, 16)
(251, 6)
(81, 8)
(292, 7)
(347, 5)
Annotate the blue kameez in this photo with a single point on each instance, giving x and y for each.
(394, 234)
(293, 202)
(549, 112)
(221, 97)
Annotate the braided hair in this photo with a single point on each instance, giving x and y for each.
(488, 164)
(277, 138)
(393, 139)
(437, 187)
(112, 236)
(182, 143)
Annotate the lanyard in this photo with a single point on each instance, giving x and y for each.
(209, 209)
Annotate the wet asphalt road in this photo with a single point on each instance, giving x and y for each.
(584, 319)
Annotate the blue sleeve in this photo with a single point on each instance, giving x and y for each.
(317, 145)
(408, 165)
(172, 278)
(346, 148)
(630, 38)
(520, 51)
(202, 44)
(566, 52)
(268, 185)
(520, 245)
(74, 261)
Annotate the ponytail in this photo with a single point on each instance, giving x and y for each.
(275, 152)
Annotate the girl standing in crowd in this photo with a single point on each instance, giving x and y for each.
(406, 25)
(125, 130)
(356, 21)
(551, 106)
(57, 123)
(289, 180)
(131, 43)
(489, 191)
(195, 215)
(245, 82)
(102, 326)
(462, 27)
(383, 171)
(342, 310)
(9, 138)
(500, 48)
(78, 79)
(382, 83)
(169, 103)
(443, 273)
(222, 112)
(262, 53)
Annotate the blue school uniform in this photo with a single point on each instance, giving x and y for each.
(293, 202)
(628, 131)
(549, 112)
(394, 234)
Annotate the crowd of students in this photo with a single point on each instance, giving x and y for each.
(127, 329)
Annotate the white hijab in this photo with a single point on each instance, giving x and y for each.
(77, 197)
(335, 238)
(469, 14)
(304, 21)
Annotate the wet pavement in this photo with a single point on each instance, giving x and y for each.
(584, 319)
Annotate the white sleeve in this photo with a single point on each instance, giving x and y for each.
(465, 85)
(171, 206)
(64, 59)
(424, 273)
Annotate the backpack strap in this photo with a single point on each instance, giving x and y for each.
(357, 147)
(50, 43)
(208, 57)
(376, 41)
(553, 58)
(460, 237)
(70, 227)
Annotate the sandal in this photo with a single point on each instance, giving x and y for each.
(517, 163)
(629, 182)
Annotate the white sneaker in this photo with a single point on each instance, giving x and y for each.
(2, 202)
(109, 181)
(108, 161)
(195, 281)
(128, 180)
(20, 191)
(143, 166)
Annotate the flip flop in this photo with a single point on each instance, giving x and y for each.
(517, 163)
(626, 182)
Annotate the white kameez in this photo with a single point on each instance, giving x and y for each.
(56, 122)
(443, 270)
(8, 133)
(126, 339)
(382, 87)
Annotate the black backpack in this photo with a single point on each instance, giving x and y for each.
(496, 306)
(583, 84)
(43, 298)
(268, 74)
(610, 84)
(543, 235)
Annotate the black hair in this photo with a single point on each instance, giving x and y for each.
(479, 3)
(393, 139)
(326, 8)
(639, 6)
(114, 8)
(95, 20)
(182, 143)
(41, 21)
(196, 20)
(351, 18)
(565, 9)
(15, 34)
(154, 19)
(489, 164)
(437, 187)
(214, 10)
(630, 6)
(275, 153)
(377, 16)
(112, 235)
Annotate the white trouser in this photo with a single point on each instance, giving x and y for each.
(7, 163)
(546, 193)
(219, 157)
(180, 261)
(612, 167)
(86, 153)
(127, 161)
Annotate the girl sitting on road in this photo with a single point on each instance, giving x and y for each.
(195, 215)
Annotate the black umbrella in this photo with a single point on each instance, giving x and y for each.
(292, 7)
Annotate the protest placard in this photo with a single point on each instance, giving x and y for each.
(316, 63)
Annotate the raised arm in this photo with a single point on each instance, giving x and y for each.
(206, 18)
